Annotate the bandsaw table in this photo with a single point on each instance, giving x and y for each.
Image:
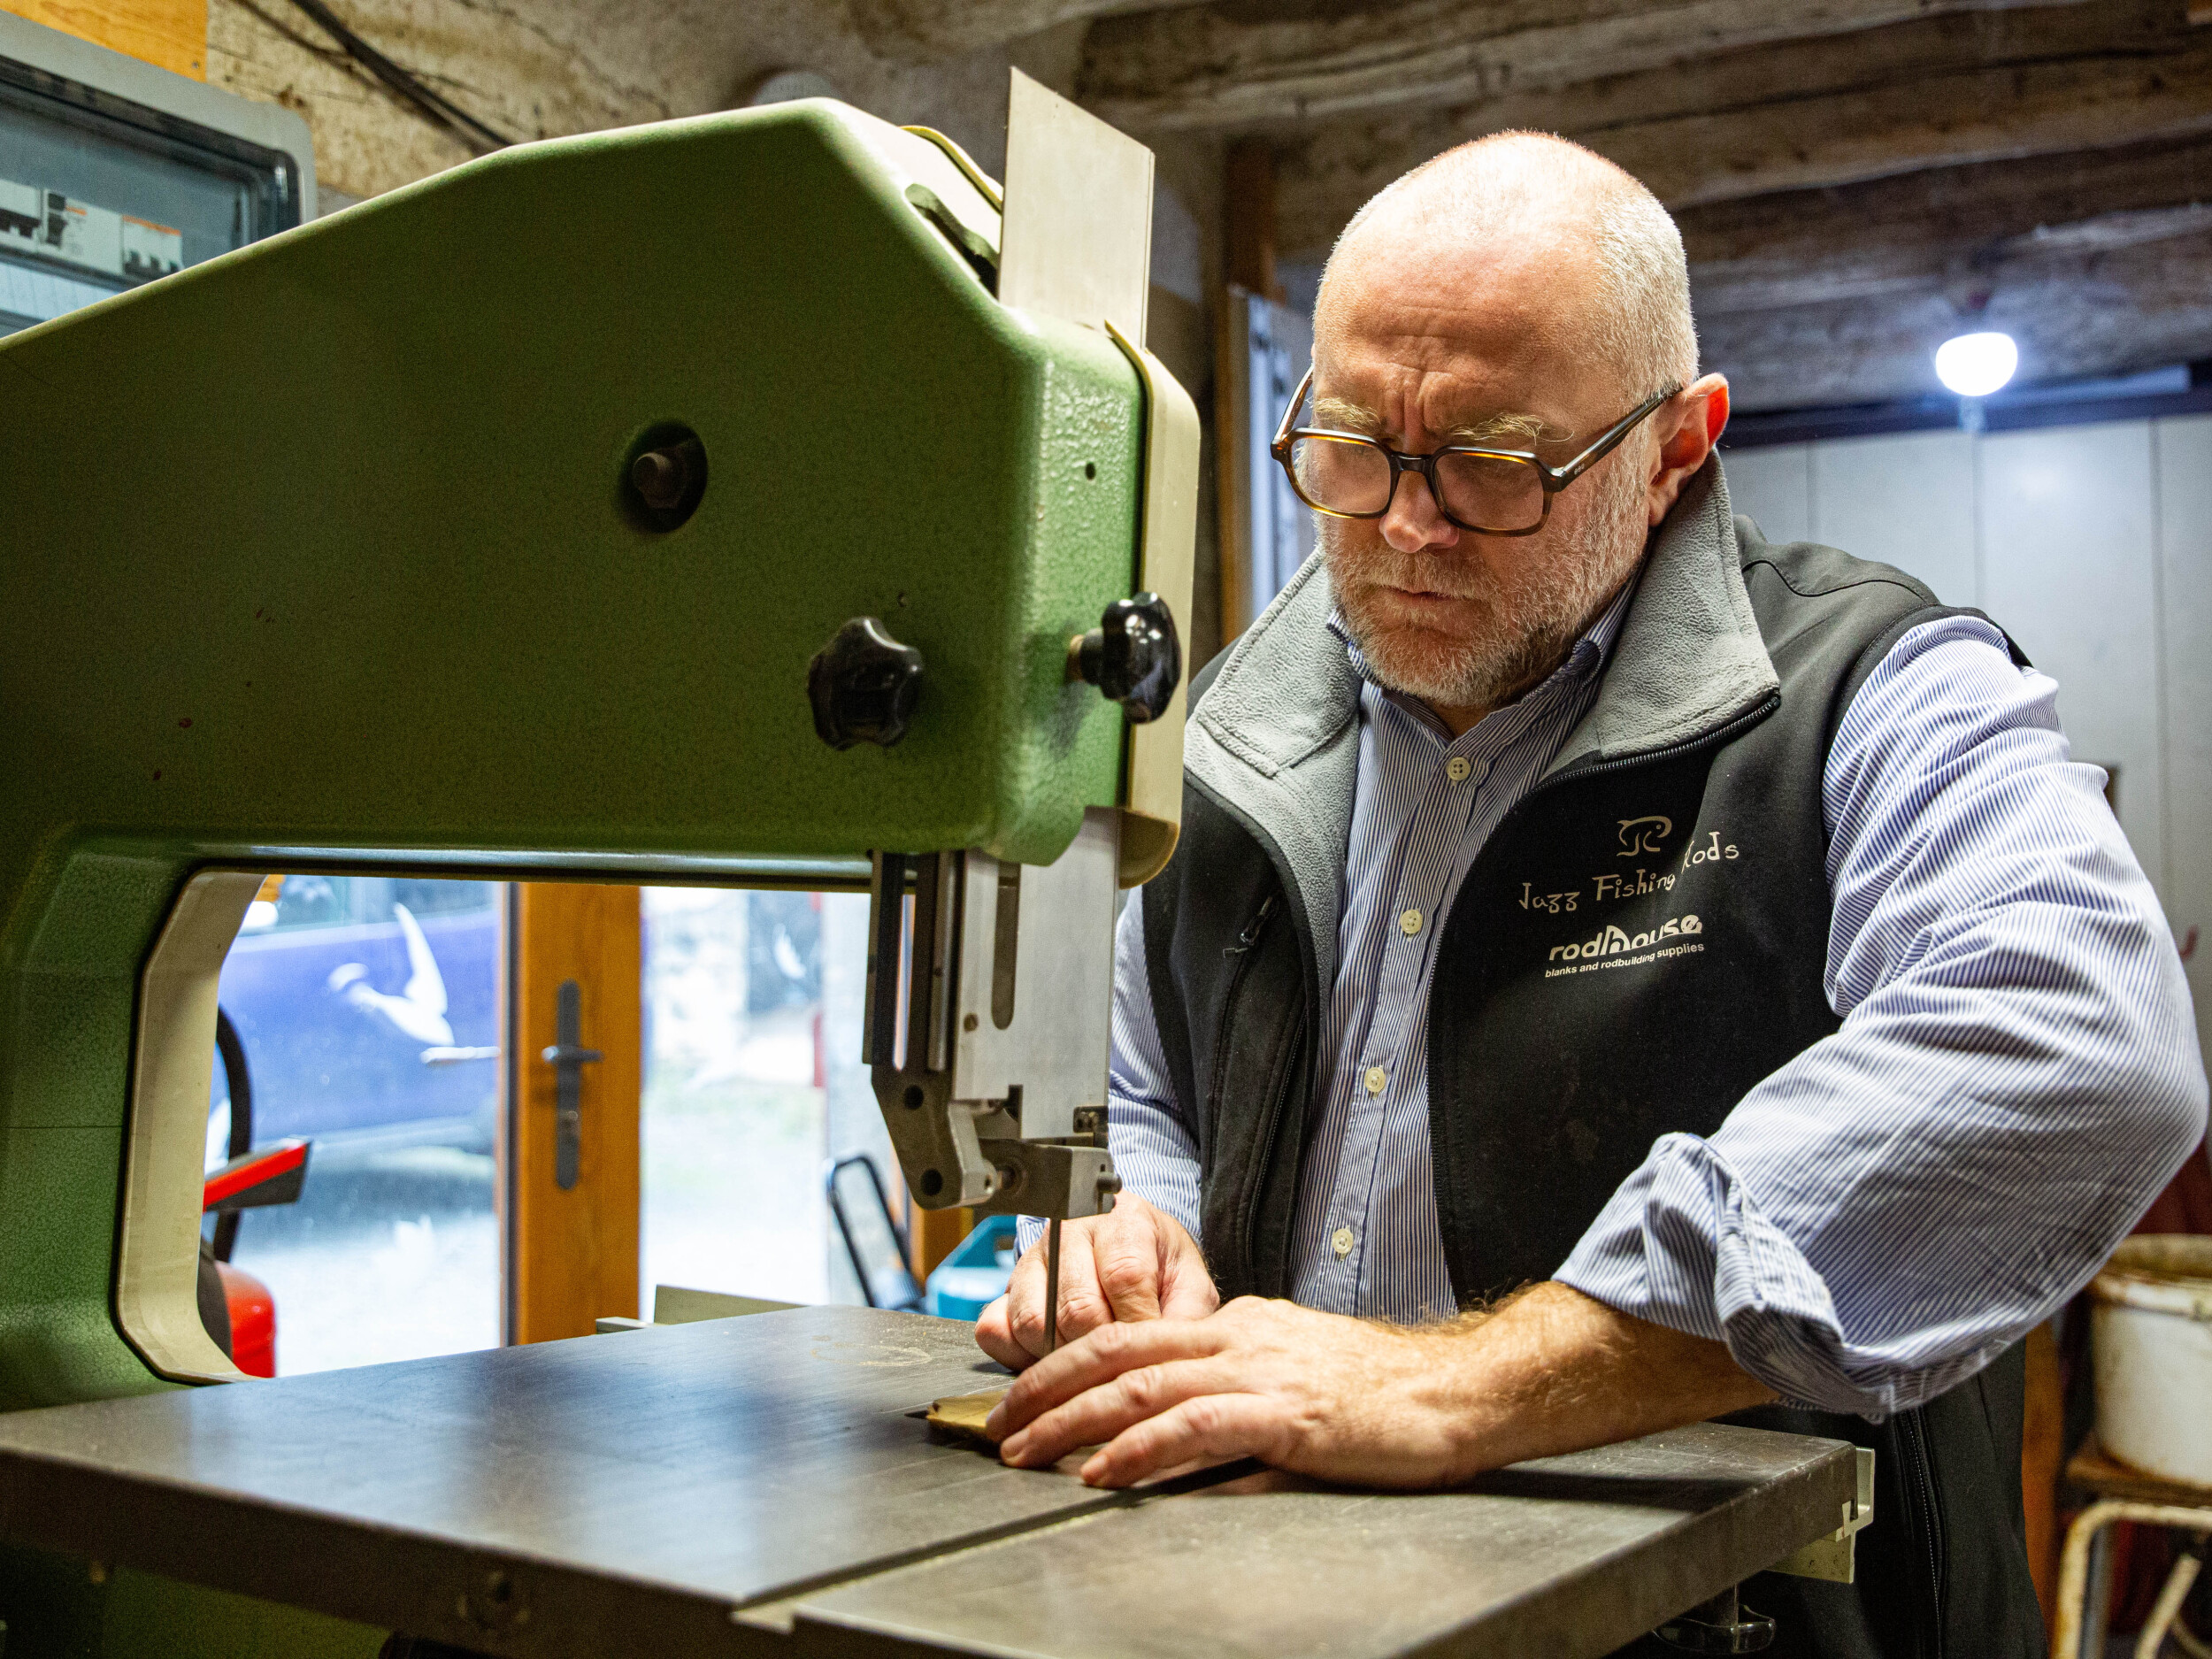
(762, 1485)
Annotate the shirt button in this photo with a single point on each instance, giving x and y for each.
(1456, 769)
(1341, 1242)
(1377, 1079)
(1410, 923)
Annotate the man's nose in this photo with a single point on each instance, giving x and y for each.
(1412, 521)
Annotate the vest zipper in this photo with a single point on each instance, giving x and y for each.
(1271, 1122)
(1249, 937)
(1919, 1480)
(1242, 951)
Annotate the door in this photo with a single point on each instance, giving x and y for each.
(574, 1073)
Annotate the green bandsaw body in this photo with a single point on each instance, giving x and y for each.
(317, 553)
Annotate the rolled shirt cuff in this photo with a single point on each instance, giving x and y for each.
(1682, 1244)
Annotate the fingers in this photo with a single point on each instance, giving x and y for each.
(994, 1335)
(1099, 1414)
(1126, 1248)
(1187, 1289)
(1083, 1306)
(1133, 1264)
(1099, 1358)
(1208, 1428)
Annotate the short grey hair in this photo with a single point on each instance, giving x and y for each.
(1535, 184)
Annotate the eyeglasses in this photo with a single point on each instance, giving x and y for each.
(1491, 492)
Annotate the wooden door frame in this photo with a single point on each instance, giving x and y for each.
(568, 1258)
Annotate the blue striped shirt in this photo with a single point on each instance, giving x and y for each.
(2015, 1078)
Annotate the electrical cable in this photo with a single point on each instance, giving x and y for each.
(464, 127)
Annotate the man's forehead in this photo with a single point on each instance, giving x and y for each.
(1455, 339)
(1396, 402)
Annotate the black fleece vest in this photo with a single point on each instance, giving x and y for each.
(1638, 943)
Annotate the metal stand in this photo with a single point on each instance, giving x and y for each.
(1723, 1625)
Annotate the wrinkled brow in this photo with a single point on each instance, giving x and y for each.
(1345, 416)
(1505, 428)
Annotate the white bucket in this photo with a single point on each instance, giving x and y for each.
(2152, 1333)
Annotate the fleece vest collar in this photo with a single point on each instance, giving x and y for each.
(1275, 739)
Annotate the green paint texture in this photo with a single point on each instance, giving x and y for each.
(57, 1607)
(316, 552)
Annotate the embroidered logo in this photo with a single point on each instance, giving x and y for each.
(1613, 940)
(1613, 946)
(1641, 835)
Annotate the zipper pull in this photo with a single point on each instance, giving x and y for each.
(1251, 935)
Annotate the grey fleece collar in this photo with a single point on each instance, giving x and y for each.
(1275, 739)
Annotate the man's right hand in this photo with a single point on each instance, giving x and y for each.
(1132, 1262)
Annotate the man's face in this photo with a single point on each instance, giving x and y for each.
(1421, 349)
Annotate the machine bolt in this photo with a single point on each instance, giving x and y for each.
(660, 476)
(665, 482)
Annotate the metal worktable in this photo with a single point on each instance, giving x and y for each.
(760, 1486)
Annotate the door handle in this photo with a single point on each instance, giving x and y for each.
(568, 1058)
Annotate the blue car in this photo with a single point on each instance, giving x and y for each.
(368, 1009)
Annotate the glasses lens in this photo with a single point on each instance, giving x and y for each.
(1491, 491)
(1342, 474)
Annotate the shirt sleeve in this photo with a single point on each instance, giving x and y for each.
(2015, 1078)
(1155, 1152)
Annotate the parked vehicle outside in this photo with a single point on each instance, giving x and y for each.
(368, 1006)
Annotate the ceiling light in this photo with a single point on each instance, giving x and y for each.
(1975, 365)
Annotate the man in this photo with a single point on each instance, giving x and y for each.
(1712, 936)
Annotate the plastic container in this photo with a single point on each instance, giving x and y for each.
(974, 1275)
(2152, 1334)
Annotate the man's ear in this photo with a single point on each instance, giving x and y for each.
(1697, 417)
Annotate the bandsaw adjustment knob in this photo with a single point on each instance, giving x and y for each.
(1134, 656)
(863, 686)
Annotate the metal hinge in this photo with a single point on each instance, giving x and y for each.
(1833, 1556)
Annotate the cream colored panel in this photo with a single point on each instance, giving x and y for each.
(2183, 454)
(1772, 486)
(157, 1262)
(2068, 568)
(1906, 499)
(1078, 241)
(1153, 792)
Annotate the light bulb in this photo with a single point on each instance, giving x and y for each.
(1975, 365)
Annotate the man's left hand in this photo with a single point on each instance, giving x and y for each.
(1368, 1404)
(1315, 1393)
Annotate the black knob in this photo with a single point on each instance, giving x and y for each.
(663, 477)
(1132, 656)
(863, 685)
(666, 479)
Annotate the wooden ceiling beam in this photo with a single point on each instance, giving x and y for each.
(1953, 230)
(2093, 314)
(1926, 114)
(1205, 68)
(925, 31)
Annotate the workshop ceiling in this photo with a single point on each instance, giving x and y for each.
(1856, 179)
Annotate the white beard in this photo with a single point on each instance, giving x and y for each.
(1528, 621)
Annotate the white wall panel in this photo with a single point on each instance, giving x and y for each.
(1907, 500)
(1773, 487)
(2069, 569)
(2184, 456)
